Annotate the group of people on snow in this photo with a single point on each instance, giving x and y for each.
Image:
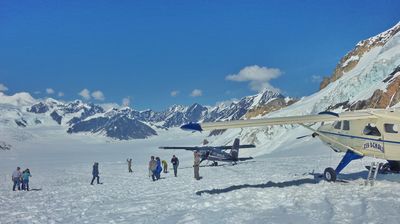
(155, 167)
(21, 179)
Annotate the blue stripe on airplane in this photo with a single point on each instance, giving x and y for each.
(352, 136)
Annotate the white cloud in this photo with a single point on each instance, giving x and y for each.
(316, 78)
(126, 101)
(3, 88)
(85, 94)
(258, 77)
(37, 92)
(98, 95)
(50, 91)
(174, 93)
(196, 93)
(60, 94)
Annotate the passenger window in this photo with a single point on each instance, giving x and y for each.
(391, 128)
(346, 125)
(337, 125)
(371, 129)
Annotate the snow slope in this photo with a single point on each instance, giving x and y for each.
(270, 189)
(355, 85)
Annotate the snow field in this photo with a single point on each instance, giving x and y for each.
(273, 188)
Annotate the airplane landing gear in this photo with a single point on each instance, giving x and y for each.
(214, 163)
(330, 174)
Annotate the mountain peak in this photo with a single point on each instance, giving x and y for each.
(351, 59)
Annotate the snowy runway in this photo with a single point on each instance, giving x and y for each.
(274, 188)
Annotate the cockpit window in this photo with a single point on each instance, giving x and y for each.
(346, 125)
(337, 124)
(391, 128)
(371, 129)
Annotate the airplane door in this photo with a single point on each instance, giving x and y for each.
(371, 140)
(392, 137)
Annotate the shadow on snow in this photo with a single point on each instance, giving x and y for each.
(317, 177)
(264, 185)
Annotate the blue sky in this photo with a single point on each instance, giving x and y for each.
(158, 53)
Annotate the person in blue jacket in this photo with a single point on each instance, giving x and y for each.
(25, 179)
(95, 173)
(158, 168)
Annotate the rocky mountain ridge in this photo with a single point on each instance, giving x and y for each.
(127, 123)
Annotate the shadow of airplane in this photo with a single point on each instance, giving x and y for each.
(269, 184)
(225, 164)
(318, 177)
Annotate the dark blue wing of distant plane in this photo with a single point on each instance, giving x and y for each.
(179, 147)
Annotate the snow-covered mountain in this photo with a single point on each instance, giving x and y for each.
(21, 110)
(366, 77)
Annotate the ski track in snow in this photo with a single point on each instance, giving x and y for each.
(273, 188)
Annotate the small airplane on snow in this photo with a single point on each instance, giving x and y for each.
(217, 153)
(373, 133)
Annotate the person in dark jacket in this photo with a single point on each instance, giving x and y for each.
(159, 168)
(129, 165)
(95, 173)
(175, 164)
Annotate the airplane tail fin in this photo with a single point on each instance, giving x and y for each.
(235, 149)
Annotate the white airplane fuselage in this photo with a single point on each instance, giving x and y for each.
(378, 138)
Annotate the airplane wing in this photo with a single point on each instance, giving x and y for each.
(240, 146)
(178, 147)
(225, 147)
(321, 117)
(333, 140)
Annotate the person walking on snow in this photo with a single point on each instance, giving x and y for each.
(16, 178)
(196, 165)
(95, 173)
(25, 179)
(129, 165)
(152, 168)
(165, 166)
(158, 168)
(175, 164)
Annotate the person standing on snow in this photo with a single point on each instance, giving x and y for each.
(165, 166)
(196, 165)
(152, 168)
(158, 168)
(95, 173)
(175, 164)
(16, 178)
(129, 165)
(25, 179)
